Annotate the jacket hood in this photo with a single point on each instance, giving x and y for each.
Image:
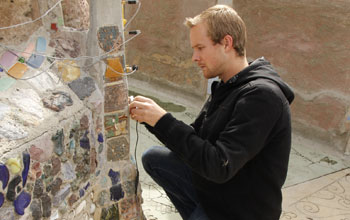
(261, 68)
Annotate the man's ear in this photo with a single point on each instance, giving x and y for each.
(228, 42)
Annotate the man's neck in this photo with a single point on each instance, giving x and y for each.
(238, 64)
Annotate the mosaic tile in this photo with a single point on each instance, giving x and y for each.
(115, 125)
(102, 198)
(115, 176)
(128, 208)
(11, 190)
(56, 166)
(17, 71)
(2, 199)
(116, 192)
(118, 149)
(108, 38)
(58, 140)
(57, 101)
(92, 208)
(72, 199)
(28, 51)
(22, 202)
(21, 60)
(14, 165)
(60, 196)
(69, 70)
(80, 207)
(128, 172)
(40, 45)
(68, 171)
(55, 186)
(38, 154)
(129, 188)
(8, 59)
(46, 205)
(93, 161)
(47, 170)
(38, 188)
(35, 208)
(68, 45)
(85, 142)
(26, 164)
(4, 175)
(110, 213)
(81, 193)
(114, 70)
(116, 97)
(84, 123)
(100, 148)
(35, 61)
(100, 138)
(83, 87)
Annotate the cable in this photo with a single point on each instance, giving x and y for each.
(132, 18)
(102, 56)
(137, 168)
(28, 22)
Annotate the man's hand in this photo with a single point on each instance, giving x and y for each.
(143, 109)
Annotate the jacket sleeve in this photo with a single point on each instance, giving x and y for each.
(243, 137)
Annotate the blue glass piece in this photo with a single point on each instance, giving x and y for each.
(2, 199)
(117, 192)
(81, 193)
(4, 175)
(115, 176)
(40, 44)
(1, 69)
(21, 203)
(26, 163)
(87, 186)
(85, 142)
(35, 61)
(100, 138)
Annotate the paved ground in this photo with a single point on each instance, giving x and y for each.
(317, 186)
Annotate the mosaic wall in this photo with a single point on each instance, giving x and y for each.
(64, 141)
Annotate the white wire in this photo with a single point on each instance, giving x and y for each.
(28, 22)
(102, 56)
(132, 18)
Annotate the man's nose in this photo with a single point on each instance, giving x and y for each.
(195, 57)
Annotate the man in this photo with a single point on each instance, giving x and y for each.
(232, 161)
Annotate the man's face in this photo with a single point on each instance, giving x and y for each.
(207, 55)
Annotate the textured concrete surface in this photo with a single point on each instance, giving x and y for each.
(317, 185)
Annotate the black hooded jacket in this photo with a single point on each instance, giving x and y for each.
(238, 147)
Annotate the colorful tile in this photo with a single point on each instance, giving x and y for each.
(114, 70)
(69, 70)
(108, 38)
(8, 59)
(116, 97)
(6, 83)
(22, 202)
(118, 149)
(17, 71)
(4, 175)
(41, 45)
(28, 51)
(58, 101)
(26, 164)
(115, 125)
(110, 213)
(83, 87)
(128, 208)
(35, 61)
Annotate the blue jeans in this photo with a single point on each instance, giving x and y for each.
(175, 177)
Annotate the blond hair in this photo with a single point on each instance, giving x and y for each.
(222, 20)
